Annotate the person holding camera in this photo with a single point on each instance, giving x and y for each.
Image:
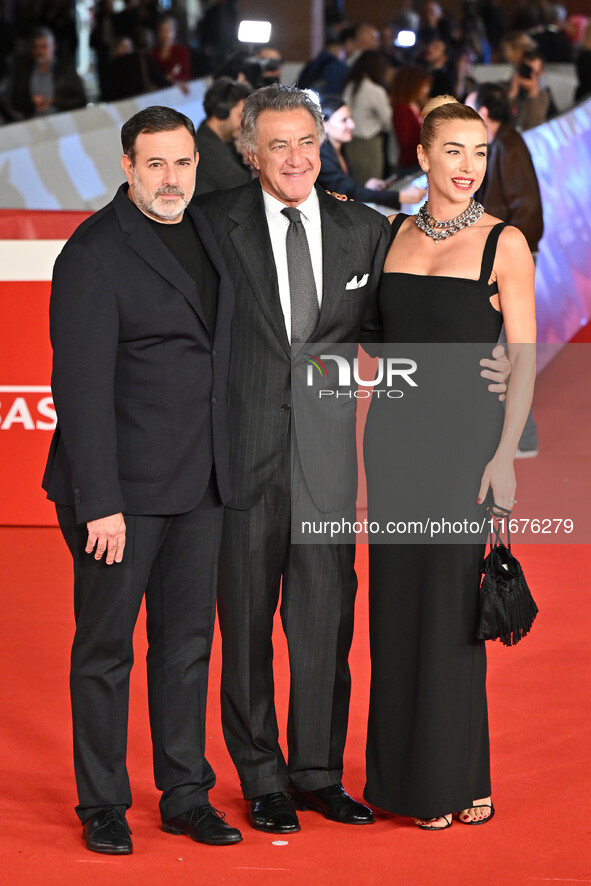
(530, 98)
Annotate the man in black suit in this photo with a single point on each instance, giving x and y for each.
(141, 308)
(281, 134)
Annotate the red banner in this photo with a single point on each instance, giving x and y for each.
(27, 415)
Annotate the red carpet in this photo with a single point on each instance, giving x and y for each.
(539, 695)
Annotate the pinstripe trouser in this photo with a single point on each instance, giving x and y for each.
(318, 586)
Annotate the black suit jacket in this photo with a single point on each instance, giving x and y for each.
(261, 394)
(219, 164)
(138, 385)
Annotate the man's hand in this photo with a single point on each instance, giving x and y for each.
(531, 84)
(498, 370)
(41, 102)
(107, 534)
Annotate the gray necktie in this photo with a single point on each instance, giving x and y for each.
(302, 287)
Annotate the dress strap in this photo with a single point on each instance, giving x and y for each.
(490, 249)
(396, 225)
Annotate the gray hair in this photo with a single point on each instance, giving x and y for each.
(275, 98)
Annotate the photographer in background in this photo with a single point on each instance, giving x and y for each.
(531, 99)
(270, 60)
(253, 70)
(220, 166)
(327, 72)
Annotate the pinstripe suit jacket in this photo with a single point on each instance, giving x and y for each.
(262, 404)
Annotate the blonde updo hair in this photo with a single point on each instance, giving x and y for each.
(441, 109)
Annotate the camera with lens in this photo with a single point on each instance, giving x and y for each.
(526, 71)
(256, 70)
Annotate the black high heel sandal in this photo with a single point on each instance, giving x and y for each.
(448, 824)
(482, 820)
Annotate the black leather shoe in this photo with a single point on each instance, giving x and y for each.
(334, 803)
(204, 824)
(107, 831)
(274, 813)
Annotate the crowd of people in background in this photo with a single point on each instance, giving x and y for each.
(386, 74)
(149, 45)
(145, 46)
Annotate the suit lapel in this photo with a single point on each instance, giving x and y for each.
(226, 290)
(336, 242)
(252, 243)
(148, 245)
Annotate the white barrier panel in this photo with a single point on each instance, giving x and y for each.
(71, 161)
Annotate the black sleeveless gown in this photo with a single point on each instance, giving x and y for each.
(427, 744)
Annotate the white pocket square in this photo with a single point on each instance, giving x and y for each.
(355, 284)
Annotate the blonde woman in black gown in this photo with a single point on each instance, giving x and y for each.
(428, 747)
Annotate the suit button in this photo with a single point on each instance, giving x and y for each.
(76, 492)
(213, 400)
(214, 353)
(285, 407)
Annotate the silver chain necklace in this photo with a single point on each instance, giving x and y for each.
(441, 230)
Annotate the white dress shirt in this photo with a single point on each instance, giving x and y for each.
(278, 225)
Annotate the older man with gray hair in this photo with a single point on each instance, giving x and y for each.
(292, 252)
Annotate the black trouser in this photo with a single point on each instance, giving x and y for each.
(173, 560)
(318, 586)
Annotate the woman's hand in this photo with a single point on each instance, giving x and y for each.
(499, 476)
(376, 184)
(412, 194)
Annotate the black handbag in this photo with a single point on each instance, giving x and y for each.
(507, 608)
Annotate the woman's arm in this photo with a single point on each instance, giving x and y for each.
(515, 279)
(334, 178)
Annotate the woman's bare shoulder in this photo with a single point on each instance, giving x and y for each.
(512, 245)
(406, 224)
